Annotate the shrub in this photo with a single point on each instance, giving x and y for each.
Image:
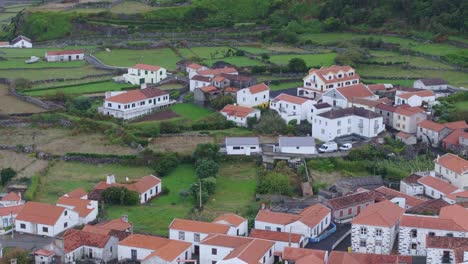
(208, 151)
(120, 196)
(271, 123)
(6, 175)
(30, 194)
(165, 163)
(165, 190)
(22, 83)
(168, 127)
(274, 183)
(81, 103)
(209, 185)
(205, 168)
(297, 65)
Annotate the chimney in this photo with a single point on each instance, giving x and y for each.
(126, 179)
(124, 218)
(110, 179)
(144, 86)
(263, 206)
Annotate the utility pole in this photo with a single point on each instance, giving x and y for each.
(289, 236)
(200, 195)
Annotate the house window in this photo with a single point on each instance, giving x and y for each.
(134, 254)
(431, 234)
(236, 148)
(363, 231)
(45, 229)
(349, 120)
(65, 225)
(270, 252)
(341, 213)
(23, 226)
(65, 213)
(181, 235)
(350, 211)
(109, 104)
(362, 243)
(414, 246)
(278, 229)
(378, 232)
(151, 191)
(339, 123)
(267, 228)
(253, 147)
(414, 233)
(349, 129)
(110, 249)
(449, 234)
(338, 131)
(323, 131)
(196, 237)
(214, 251)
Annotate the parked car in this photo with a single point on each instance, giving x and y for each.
(328, 147)
(346, 146)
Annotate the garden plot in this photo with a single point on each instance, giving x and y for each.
(12, 105)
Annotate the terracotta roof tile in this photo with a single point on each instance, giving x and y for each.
(458, 244)
(268, 216)
(453, 163)
(313, 215)
(456, 125)
(355, 91)
(195, 66)
(339, 113)
(146, 67)
(433, 81)
(438, 184)
(429, 222)
(140, 185)
(135, 95)
(431, 125)
(12, 197)
(11, 210)
(198, 226)
(376, 87)
(164, 248)
(201, 78)
(77, 193)
(402, 134)
(366, 102)
(429, 207)
(322, 72)
(297, 254)
(412, 179)
(425, 93)
(81, 206)
(218, 78)
(208, 89)
(408, 111)
(276, 236)
(410, 200)
(322, 105)
(40, 213)
(261, 87)
(310, 216)
(456, 213)
(44, 252)
(73, 239)
(230, 218)
(386, 107)
(340, 257)
(454, 137)
(352, 199)
(213, 72)
(384, 214)
(236, 110)
(64, 52)
(231, 90)
(290, 99)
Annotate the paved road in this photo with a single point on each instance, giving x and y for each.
(99, 64)
(24, 241)
(328, 242)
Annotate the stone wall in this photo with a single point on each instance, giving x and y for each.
(372, 240)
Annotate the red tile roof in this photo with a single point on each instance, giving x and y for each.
(11, 210)
(77, 193)
(386, 107)
(208, 89)
(12, 197)
(135, 95)
(218, 78)
(231, 90)
(402, 134)
(355, 91)
(408, 111)
(322, 72)
(147, 67)
(313, 215)
(456, 213)
(376, 87)
(454, 138)
(198, 226)
(410, 200)
(236, 110)
(431, 125)
(195, 66)
(64, 52)
(438, 184)
(429, 207)
(384, 214)
(44, 252)
(366, 102)
(352, 200)
(40, 213)
(301, 254)
(429, 222)
(340, 257)
(217, 71)
(73, 239)
(276, 236)
(458, 244)
(115, 224)
(268, 216)
(455, 195)
(141, 185)
(412, 179)
(230, 218)
(310, 216)
(456, 125)
(164, 248)
(261, 87)
(201, 78)
(290, 99)
(453, 163)
(425, 93)
(81, 206)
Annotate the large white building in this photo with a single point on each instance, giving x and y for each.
(79, 245)
(431, 84)
(240, 114)
(151, 249)
(64, 55)
(406, 118)
(336, 123)
(223, 249)
(454, 169)
(345, 96)
(414, 98)
(374, 230)
(311, 222)
(242, 145)
(45, 219)
(257, 95)
(321, 80)
(291, 107)
(134, 103)
(144, 73)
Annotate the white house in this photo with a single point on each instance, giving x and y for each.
(374, 230)
(223, 249)
(44, 256)
(296, 145)
(8, 216)
(239, 223)
(344, 97)
(414, 98)
(147, 187)
(79, 245)
(434, 84)
(317, 109)
(192, 69)
(411, 186)
(11, 199)
(257, 95)
(242, 145)
(195, 231)
(431, 132)
(144, 73)
(45, 219)
(336, 123)
(64, 55)
(282, 239)
(454, 169)
(446, 250)
(436, 188)
(240, 114)
(198, 81)
(134, 103)
(86, 209)
(151, 249)
(406, 118)
(291, 107)
(414, 229)
(321, 80)
(21, 42)
(401, 199)
(311, 222)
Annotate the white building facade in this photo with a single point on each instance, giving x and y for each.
(257, 95)
(291, 107)
(144, 73)
(242, 145)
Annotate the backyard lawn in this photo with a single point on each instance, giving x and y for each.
(285, 85)
(326, 59)
(131, 7)
(237, 61)
(205, 52)
(55, 73)
(81, 88)
(191, 111)
(164, 57)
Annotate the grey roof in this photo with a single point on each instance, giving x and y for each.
(231, 141)
(296, 142)
(433, 81)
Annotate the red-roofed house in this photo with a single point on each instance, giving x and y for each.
(12, 199)
(145, 73)
(447, 250)
(311, 222)
(147, 187)
(454, 169)
(293, 255)
(223, 249)
(239, 223)
(408, 139)
(45, 219)
(436, 188)
(282, 239)
(405, 201)
(239, 114)
(77, 193)
(213, 72)
(343, 97)
(152, 249)
(374, 230)
(340, 257)
(86, 209)
(406, 118)
(256, 95)
(64, 55)
(414, 98)
(192, 69)
(431, 132)
(321, 80)
(44, 256)
(134, 103)
(291, 107)
(457, 141)
(80, 245)
(8, 216)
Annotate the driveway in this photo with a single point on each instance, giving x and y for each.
(327, 243)
(25, 241)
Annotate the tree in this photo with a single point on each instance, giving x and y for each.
(81, 103)
(6, 175)
(209, 185)
(221, 101)
(165, 163)
(271, 123)
(350, 56)
(274, 183)
(205, 168)
(297, 65)
(265, 56)
(208, 151)
(120, 196)
(168, 127)
(332, 24)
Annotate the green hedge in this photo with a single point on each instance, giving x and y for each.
(30, 194)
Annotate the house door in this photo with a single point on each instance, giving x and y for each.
(90, 253)
(146, 197)
(69, 58)
(142, 80)
(378, 247)
(334, 102)
(197, 250)
(134, 254)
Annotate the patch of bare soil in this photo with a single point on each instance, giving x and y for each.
(157, 116)
(180, 144)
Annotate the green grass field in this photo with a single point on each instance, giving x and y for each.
(156, 216)
(55, 73)
(388, 56)
(20, 64)
(286, 85)
(205, 52)
(87, 10)
(254, 50)
(463, 106)
(81, 89)
(191, 111)
(237, 61)
(326, 59)
(164, 57)
(131, 7)
(406, 83)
